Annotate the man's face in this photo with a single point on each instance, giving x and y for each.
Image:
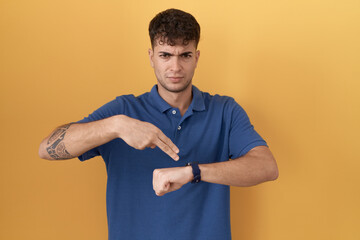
(174, 66)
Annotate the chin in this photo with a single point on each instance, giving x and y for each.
(175, 87)
(179, 89)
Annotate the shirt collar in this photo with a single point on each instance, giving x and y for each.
(197, 103)
(198, 100)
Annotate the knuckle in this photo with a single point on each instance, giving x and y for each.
(151, 127)
(150, 138)
(160, 174)
(153, 138)
(156, 131)
(166, 148)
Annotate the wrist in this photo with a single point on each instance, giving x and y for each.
(189, 174)
(196, 172)
(118, 125)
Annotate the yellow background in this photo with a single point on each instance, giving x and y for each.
(293, 65)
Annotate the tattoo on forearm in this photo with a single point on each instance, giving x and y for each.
(57, 149)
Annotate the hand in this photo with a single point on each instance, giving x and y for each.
(166, 180)
(140, 135)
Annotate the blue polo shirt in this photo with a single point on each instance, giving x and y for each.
(213, 129)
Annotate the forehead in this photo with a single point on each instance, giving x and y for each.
(177, 48)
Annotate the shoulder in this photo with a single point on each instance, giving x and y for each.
(129, 100)
(120, 105)
(213, 98)
(220, 101)
(124, 98)
(117, 105)
(223, 106)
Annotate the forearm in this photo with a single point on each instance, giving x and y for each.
(72, 140)
(257, 166)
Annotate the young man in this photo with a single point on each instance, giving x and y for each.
(156, 144)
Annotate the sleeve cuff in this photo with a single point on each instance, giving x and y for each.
(250, 146)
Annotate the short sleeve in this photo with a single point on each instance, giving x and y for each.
(243, 136)
(112, 108)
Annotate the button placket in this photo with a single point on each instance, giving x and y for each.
(176, 119)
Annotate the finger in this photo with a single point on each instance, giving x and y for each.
(164, 190)
(168, 142)
(168, 150)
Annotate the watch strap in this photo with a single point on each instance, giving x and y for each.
(196, 171)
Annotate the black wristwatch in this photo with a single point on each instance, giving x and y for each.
(196, 171)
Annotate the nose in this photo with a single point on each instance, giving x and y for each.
(175, 64)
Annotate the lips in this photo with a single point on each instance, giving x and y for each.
(175, 78)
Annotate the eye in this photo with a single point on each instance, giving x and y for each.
(164, 55)
(186, 55)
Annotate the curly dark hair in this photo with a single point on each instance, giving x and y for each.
(172, 25)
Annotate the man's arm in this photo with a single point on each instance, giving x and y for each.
(72, 140)
(255, 167)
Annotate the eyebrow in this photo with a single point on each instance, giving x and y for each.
(170, 54)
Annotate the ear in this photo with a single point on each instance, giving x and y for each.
(197, 56)
(151, 55)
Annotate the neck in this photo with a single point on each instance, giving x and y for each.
(180, 100)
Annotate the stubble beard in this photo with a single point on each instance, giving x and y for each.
(178, 90)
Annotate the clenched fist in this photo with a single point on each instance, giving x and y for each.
(171, 179)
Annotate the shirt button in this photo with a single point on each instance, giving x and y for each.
(173, 111)
(179, 127)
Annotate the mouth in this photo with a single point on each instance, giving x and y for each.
(175, 79)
